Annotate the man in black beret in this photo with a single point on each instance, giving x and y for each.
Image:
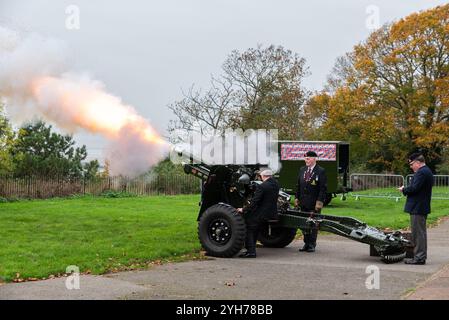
(310, 195)
(419, 194)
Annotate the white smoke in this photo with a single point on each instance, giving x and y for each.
(24, 58)
(36, 81)
(127, 145)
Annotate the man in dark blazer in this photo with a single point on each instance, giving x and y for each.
(310, 195)
(263, 207)
(419, 194)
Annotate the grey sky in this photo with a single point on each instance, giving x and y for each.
(147, 51)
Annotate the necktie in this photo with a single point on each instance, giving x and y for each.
(308, 174)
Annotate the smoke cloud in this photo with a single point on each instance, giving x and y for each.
(36, 81)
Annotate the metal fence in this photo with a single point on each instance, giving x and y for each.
(440, 188)
(385, 186)
(42, 188)
(376, 185)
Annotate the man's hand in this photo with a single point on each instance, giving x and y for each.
(318, 206)
(296, 203)
(401, 188)
(240, 210)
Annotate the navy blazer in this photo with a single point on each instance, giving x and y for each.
(263, 204)
(314, 190)
(419, 192)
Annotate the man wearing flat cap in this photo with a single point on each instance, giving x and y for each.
(419, 194)
(263, 207)
(310, 195)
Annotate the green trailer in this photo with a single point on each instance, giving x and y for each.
(333, 156)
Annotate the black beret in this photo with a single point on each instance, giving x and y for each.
(311, 154)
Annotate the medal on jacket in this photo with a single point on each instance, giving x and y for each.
(307, 175)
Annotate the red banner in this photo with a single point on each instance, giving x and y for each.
(296, 151)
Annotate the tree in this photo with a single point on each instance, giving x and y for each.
(40, 152)
(91, 169)
(202, 112)
(269, 92)
(345, 116)
(106, 170)
(391, 92)
(6, 141)
(259, 89)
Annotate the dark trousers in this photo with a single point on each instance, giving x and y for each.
(252, 232)
(310, 235)
(419, 236)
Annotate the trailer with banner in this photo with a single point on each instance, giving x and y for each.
(333, 156)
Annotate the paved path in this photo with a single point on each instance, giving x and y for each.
(436, 287)
(337, 270)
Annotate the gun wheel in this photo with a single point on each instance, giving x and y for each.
(393, 258)
(221, 231)
(276, 236)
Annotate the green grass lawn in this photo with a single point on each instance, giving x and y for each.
(437, 192)
(383, 213)
(39, 238)
(42, 237)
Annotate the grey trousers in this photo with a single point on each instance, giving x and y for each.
(419, 236)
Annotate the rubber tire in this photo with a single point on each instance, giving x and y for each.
(238, 231)
(280, 236)
(393, 255)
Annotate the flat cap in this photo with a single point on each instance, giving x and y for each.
(266, 173)
(416, 156)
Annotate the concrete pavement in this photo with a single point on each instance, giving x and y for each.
(337, 270)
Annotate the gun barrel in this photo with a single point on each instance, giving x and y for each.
(198, 170)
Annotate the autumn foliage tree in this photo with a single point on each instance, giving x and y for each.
(390, 95)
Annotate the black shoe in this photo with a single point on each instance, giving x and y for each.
(413, 261)
(247, 255)
(304, 248)
(311, 249)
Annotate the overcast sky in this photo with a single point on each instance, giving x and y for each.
(147, 51)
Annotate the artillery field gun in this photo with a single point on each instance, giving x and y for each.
(221, 230)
